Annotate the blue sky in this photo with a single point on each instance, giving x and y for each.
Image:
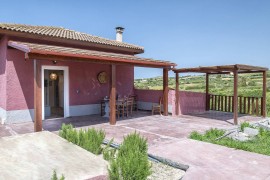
(190, 33)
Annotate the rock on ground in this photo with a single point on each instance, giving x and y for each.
(251, 131)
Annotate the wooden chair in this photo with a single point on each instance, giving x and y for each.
(120, 107)
(157, 107)
(128, 106)
(135, 102)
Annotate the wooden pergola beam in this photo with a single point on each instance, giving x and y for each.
(248, 67)
(37, 97)
(113, 96)
(177, 105)
(220, 69)
(206, 91)
(165, 91)
(235, 97)
(239, 72)
(264, 94)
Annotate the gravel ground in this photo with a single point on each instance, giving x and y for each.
(164, 172)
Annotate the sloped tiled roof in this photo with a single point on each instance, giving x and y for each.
(61, 32)
(88, 54)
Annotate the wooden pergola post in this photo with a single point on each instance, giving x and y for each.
(207, 92)
(37, 97)
(177, 94)
(264, 94)
(165, 91)
(235, 96)
(113, 95)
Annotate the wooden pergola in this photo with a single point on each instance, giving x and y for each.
(40, 52)
(225, 69)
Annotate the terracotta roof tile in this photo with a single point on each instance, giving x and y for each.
(61, 32)
(49, 49)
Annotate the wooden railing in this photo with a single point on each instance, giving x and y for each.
(246, 105)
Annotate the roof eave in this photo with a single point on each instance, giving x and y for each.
(71, 41)
(34, 54)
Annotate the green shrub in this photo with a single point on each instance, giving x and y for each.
(114, 172)
(67, 132)
(54, 176)
(93, 139)
(90, 139)
(132, 160)
(64, 130)
(108, 152)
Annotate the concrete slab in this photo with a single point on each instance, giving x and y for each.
(36, 155)
(210, 161)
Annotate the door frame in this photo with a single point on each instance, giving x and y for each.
(66, 87)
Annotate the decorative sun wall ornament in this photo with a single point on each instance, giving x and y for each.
(102, 77)
(53, 76)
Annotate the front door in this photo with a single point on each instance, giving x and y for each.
(55, 92)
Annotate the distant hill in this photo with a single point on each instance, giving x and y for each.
(249, 84)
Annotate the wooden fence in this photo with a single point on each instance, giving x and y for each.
(246, 105)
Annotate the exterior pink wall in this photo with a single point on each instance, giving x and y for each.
(82, 77)
(124, 80)
(3, 49)
(20, 82)
(190, 102)
(153, 95)
(148, 95)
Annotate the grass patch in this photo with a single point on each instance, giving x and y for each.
(259, 144)
(243, 125)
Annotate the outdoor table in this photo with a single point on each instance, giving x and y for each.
(105, 105)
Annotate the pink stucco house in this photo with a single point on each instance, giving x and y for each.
(43, 67)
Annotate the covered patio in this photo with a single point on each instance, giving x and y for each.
(41, 54)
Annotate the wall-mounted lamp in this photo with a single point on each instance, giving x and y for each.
(231, 73)
(53, 76)
(54, 62)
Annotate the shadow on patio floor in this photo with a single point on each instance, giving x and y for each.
(91, 120)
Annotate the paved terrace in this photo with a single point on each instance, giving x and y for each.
(167, 137)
